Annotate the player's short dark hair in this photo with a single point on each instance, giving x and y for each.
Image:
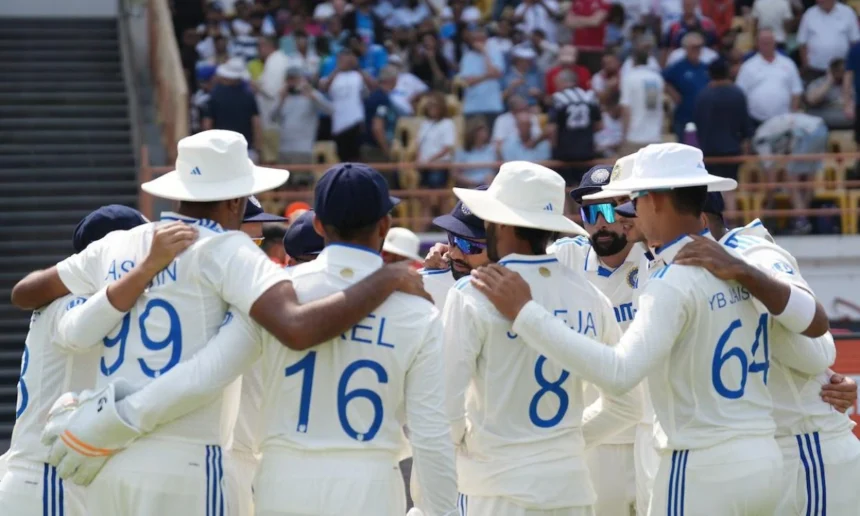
(718, 70)
(690, 200)
(273, 234)
(350, 234)
(538, 239)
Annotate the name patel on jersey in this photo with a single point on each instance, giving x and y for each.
(735, 294)
(371, 330)
(583, 323)
(119, 268)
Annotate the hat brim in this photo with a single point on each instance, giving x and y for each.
(626, 210)
(603, 194)
(454, 225)
(170, 186)
(628, 186)
(388, 248)
(579, 193)
(491, 209)
(265, 217)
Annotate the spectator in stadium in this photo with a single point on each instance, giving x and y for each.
(770, 81)
(297, 116)
(685, 80)
(642, 91)
(408, 88)
(371, 57)
(233, 107)
(707, 55)
(773, 15)
(851, 88)
(645, 43)
(721, 12)
(505, 124)
(690, 20)
(547, 52)
(615, 27)
(502, 40)
(541, 15)
(380, 117)
(200, 99)
(244, 33)
(480, 69)
(305, 56)
(522, 79)
(346, 86)
(362, 21)
(587, 20)
(436, 141)
(722, 123)
(268, 88)
(522, 146)
(574, 119)
(273, 242)
(826, 32)
(567, 57)
(824, 97)
(429, 64)
(477, 148)
(607, 80)
(608, 139)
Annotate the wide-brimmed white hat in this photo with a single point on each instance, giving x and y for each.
(402, 242)
(523, 194)
(666, 166)
(622, 170)
(214, 166)
(234, 68)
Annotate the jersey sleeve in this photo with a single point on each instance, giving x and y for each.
(432, 449)
(462, 345)
(193, 383)
(239, 271)
(649, 339)
(804, 354)
(570, 252)
(83, 322)
(82, 273)
(777, 263)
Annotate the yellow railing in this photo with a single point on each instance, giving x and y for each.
(171, 90)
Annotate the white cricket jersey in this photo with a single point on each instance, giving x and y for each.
(800, 364)
(618, 285)
(246, 434)
(516, 415)
(437, 283)
(49, 369)
(700, 342)
(178, 313)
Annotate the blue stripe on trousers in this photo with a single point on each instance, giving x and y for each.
(811, 457)
(677, 483)
(670, 499)
(823, 476)
(45, 480)
(806, 476)
(208, 483)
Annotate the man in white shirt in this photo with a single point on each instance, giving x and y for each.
(641, 104)
(770, 81)
(505, 125)
(517, 416)
(611, 263)
(268, 89)
(699, 339)
(773, 16)
(347, 86)
(826, 32)
(182, 464)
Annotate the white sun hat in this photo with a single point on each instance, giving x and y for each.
(234, 68)
(402, 242)
(666, 166)
(214, 166)
(523, 194)
(622, 170)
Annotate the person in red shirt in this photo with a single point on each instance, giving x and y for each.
(587, 19)
(567, 61)
(721, 12)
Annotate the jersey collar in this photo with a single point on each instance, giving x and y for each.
(754, 228)
(169, 216)
(593, 263)
(350, 257)
(527, 259)
(667, 252)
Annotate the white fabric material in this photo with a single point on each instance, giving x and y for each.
(517, 416)
(241, 483)
(769, 85)
(539, 15)
(408, 86)
(652, 64)
(642, 93)
(707, 56)
(522, 194)
(346, 95)
(214, 166)
(500, 506)
(799, 311)
(437, 283)
(23, 488)
(433, 136)
(505, 126)
(402, 242)
(647, 462)
(827, 35)
(614, 477)
(271, 81)
(670, 165)
(246, 437)
(772, 14)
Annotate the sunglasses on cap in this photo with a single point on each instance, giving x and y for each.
(590, 212)
(466, 246)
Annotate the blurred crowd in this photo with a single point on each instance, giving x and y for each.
(442, 82)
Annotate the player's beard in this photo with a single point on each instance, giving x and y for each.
(459, 274)
(492, 250)
(614, 246)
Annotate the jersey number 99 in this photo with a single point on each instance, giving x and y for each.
(173, 340)
(307, 365)
(723, 355)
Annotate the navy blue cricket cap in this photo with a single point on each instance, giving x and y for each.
(351, 196)
(113, 217)
(462, 222)
(626, 210)
(301, 239)
(592, 182)
(715, 204)
(254, 212)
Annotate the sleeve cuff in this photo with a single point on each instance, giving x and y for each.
(101, 303)
(71, 281)
(528, 317)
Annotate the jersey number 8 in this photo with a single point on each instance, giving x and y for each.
(172, 340)
(547, 387)
(721, 356)
(307, 364)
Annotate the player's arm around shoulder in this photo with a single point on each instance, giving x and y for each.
(571, 251)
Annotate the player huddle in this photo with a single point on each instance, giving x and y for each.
(652, 363)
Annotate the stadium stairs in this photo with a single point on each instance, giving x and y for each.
(65, 149)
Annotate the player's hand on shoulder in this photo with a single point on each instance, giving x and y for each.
(710, 255)
(506, 289)
(437, 257)
(840, 392)
(168, 242)
(407, 279)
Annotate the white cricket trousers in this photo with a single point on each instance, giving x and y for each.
(741, 477)
(613, 476)
(499, 506)
(647, 463)
(821, 475)
(34, 489)
(157, 477)
(241, 481)
(337, 483)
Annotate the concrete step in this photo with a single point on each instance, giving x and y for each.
(64, 53)
(83, 136)
(30, 248)
(13, 264)
(66, 34)
(52, 44)
(62, 77)
(102, 188)
(21, 122)
(67, 66)
(63, 88)
(87, 202)
(125, 160)
(32, 218)
(28, 149)
(56, 23)
(63, 111)
(66, 174)
(92, 98)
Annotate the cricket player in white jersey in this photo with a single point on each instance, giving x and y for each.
(611, 263)
(181, 465)
(698, 339)
(517, 416)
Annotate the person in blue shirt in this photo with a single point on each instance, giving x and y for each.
(380, 116)
(371, 57)
(522, 79)
(364, 22)
(521, 146)
(685, 80)
(481, 68)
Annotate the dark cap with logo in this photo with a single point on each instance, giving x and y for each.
(351, 196)
(301, 239)
(592, 182)
(714, 204)
(254, 212)
(462, 222)
(113, 217)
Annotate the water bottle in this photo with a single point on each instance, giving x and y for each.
(690, 136)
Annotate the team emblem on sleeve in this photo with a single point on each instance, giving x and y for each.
(783, 267)
(633, 277)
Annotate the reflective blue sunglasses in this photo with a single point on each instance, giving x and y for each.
(589, 213)
(469, 247)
